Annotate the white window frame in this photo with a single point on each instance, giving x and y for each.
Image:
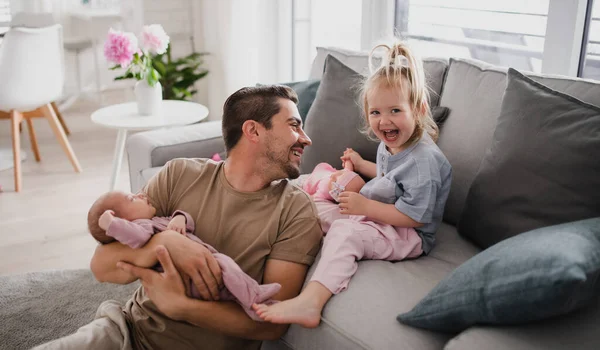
(564, 37)
(563, 41)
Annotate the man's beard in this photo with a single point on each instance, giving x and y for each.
(283, 163)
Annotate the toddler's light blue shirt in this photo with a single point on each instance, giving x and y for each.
(417, 181)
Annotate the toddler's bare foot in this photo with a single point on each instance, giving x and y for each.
(301, 310)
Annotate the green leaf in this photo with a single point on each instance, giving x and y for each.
(160, 67)
(118, 66)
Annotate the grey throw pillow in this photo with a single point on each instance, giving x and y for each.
(542, 168)
(335, 118)
(538, 274)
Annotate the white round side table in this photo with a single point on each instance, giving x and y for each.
(124, 117)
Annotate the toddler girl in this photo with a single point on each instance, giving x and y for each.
(130, 219)
(397, 213)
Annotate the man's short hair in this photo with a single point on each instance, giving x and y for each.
(258, 103)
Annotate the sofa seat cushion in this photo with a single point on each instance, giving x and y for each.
(376, 294)
(578, 330)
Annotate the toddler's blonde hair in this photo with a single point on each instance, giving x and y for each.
(400, 68)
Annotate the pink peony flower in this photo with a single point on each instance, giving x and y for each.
(120, 47)
(154, 39)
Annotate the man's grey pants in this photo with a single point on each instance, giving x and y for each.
(108, 331)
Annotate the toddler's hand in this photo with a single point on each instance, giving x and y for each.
(352, 203)
(177, 224)
(351, 159)
(105, 219)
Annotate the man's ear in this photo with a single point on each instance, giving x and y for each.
(251, 129)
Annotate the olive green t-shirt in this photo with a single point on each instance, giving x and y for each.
(278, 222)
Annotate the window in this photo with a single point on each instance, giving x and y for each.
(507, 33)
(319, 23)
(591, 62)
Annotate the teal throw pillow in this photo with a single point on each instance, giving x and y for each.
(542, 273)
(306, 91)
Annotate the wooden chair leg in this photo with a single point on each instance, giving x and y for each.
(33, 139)
(60, 119)
(59, 132)
(15, 119)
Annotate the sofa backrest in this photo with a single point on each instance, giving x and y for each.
(473, 92)
(435, 68)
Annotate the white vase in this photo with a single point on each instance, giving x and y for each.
(148, 98)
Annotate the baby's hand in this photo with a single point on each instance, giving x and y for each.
(351, 159)
(105, 219)
(177, 223)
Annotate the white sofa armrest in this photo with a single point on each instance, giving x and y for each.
(154, 148)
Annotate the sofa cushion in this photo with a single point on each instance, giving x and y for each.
(473, 91)
(41, 306)
(542, 168)
(435, 68)
(147, 174)
(538, 274)
(364, 316)
(335, 118)
(307, 92)
(578, 330)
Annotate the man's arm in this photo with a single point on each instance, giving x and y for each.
(229, 318)
(167, 292)
(106, 256)
(193, 261)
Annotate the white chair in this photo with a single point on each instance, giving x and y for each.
(32, 76)
(74, 44)
(41, 20)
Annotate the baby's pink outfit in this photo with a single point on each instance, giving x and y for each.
(239, 286)
(317, 184)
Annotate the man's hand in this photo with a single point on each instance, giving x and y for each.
(165, 289)
(177, 224)
(352, 203)
(105, 219)
(195, 262)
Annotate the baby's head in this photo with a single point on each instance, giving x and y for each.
(125, 206)
(396, 100)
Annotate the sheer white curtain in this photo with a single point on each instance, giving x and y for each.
(247, 41)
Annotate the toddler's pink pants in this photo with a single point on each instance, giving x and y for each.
(350, 238)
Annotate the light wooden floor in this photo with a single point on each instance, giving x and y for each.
(44, 226)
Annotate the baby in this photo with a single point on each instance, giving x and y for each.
(129, 219)
(325, 182)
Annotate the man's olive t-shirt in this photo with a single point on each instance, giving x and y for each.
(278, 222)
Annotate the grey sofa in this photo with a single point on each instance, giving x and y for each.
(364, 316)
(37, 307)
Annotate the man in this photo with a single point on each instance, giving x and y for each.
(270, 228)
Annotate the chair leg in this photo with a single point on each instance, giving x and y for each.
(60, 119)
(60, 135)
(33, 139)
(16, 118)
